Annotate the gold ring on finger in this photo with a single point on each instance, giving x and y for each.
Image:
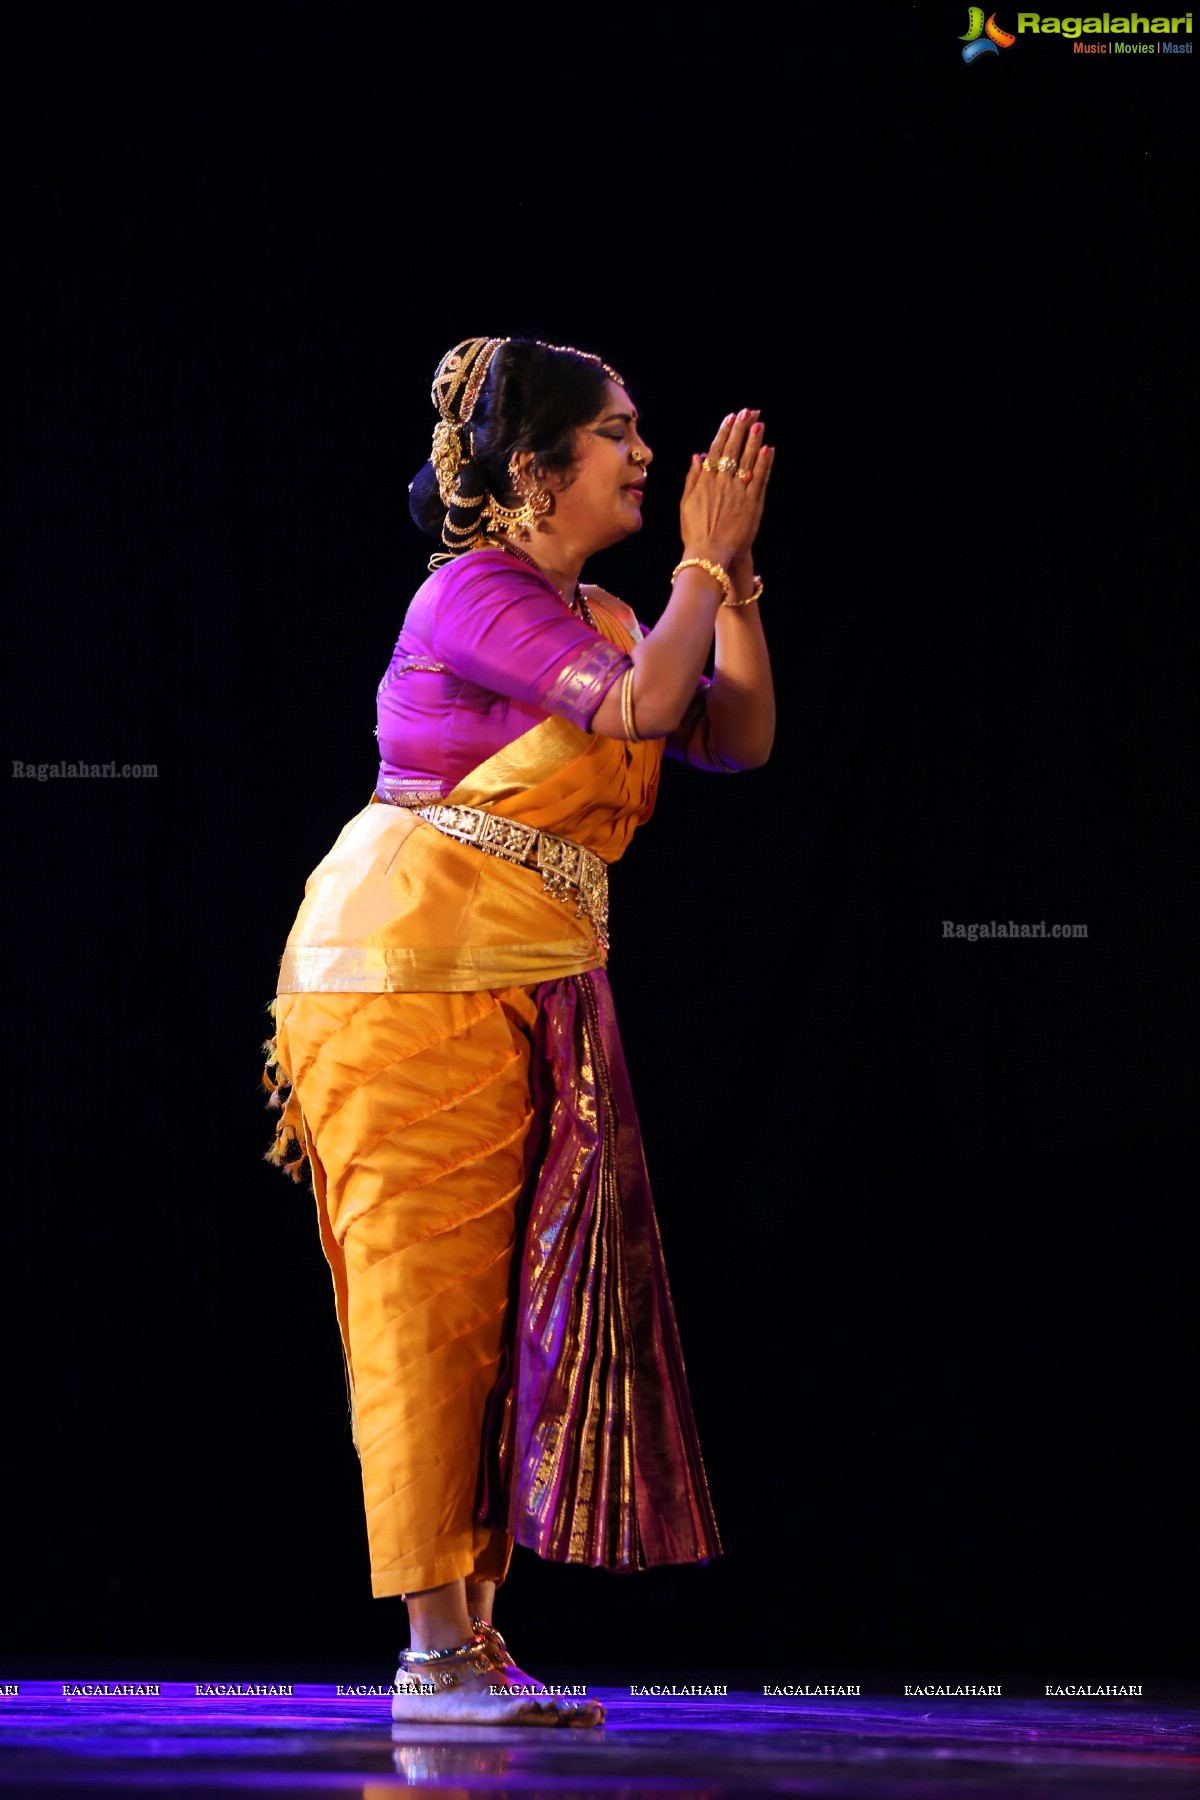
(746, 474)
(706, 466)
(728, 465)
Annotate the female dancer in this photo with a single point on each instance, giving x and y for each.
(446, 1058)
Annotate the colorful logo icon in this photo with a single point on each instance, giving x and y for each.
(983, 39)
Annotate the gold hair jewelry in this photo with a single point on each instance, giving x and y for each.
(627, 719)
(446, 457)
(475, 379)
(460, 376)
(457, 383)
(750, 598)
(587, 357)
(710, 568)
(464, 537)
(728, 465)
(473, 530)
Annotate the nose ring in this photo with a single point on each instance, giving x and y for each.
(637, 456)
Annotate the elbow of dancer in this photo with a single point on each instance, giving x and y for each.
(658, 711)
(745, 756)
(741, 743)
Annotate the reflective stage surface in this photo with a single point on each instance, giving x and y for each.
(743, 1743)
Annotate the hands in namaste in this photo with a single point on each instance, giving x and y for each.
(724, 491)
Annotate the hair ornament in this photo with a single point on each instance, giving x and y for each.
(457, 384)
(460, 376)
(570, 350)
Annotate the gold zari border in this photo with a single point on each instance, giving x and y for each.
(457, 969)
(589, 676)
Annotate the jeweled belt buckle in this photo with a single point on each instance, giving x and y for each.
(560, 858)
(508, 838)
(455, 821)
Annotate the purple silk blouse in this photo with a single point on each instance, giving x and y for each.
(487, 651)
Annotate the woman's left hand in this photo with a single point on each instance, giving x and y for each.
(755, 419)
(741, 569)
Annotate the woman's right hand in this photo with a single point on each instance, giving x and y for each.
(720, 510)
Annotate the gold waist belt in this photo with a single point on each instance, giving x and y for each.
(568, 871)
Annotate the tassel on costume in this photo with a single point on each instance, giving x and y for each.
(289, 1151)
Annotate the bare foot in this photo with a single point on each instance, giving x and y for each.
(483, 1686)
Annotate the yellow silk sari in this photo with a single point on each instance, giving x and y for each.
(406, 1018)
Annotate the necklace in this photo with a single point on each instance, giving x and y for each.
(576, 605)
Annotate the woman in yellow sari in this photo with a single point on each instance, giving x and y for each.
(446, 1061)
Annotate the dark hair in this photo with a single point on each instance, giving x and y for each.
(534, 398)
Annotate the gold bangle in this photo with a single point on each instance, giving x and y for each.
(710, 568)
(751, 597)
(631, 730)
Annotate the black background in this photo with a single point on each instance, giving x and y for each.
(923, 1201)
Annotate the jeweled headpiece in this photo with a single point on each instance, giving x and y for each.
(570, 350)
(456, 387)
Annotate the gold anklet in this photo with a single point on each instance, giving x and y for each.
(448, 1668)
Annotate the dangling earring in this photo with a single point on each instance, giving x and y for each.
(535, 504)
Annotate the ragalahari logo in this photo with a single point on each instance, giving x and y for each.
(981, 39)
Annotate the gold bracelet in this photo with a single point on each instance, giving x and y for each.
(750, 598)
(631, 730)
(710, 568)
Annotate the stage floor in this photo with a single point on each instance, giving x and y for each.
(738, 1744)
